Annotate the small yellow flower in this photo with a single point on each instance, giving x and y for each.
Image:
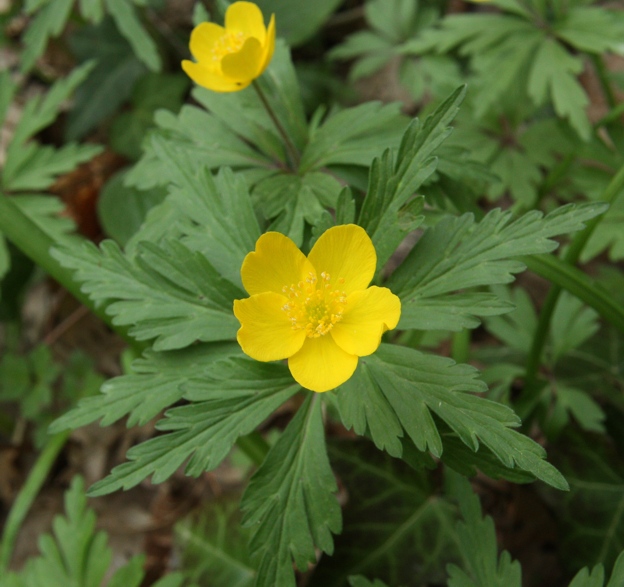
(229, 58)
(316, 311)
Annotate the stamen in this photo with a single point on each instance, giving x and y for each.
(314, 308)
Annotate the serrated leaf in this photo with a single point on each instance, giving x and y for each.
(155, 384)
(75, 554)
(47, 213)
(459, 253)
(289, 503)
(395, 526)
(392, 184)
(413, 387)
(222, 223)
(292, 201)
(167, 293)
(41, 111)
(479, 547)
(122, 209)
(592, 28)
(34, 167)
(129, 25)
(354, 136)
(205, 431)
(49, 22)
(214, 545)
(111, 81)
(592, 514)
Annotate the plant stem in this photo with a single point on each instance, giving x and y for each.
(460, 346)
(531, 387)
(27, 495)
(292, 151)
(603, 77)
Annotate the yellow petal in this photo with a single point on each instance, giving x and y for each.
(345, 252)
(276, 262)
(269, 45)
(266, 333)
(204, 38)
(246, 17)
(367, 315)
(243, 65)
(210, 80)
(321, 364)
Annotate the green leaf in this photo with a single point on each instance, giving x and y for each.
(155, 384)
(33, 167)
(205, 431)
(293, 200)
(29, 166)
(75, 554)
(287, 516)
(592, 514)
(214, 546)
(131, 28)
(608, 234)
(353, 136)
(122, 209)
(592, 28)
(410, 388)
(49, 22)
(111, 81)
(458, 253)
(298, 20)
(578, 284)
(152, 92)
(479, 547)
(221, 222)
(167, 293)
(396, 527)
(392, 184)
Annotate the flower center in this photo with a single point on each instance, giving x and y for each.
(228, 43)
(314, 307)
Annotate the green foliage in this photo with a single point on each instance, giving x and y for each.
(404, 389)
(298, 20)
(51, 16)
(78, 555)
(289, 504)
(41, 388)
(30, 166)
(168, 293)
(230, 400)
(214, 546)
(122, 209)
(389, 503)
(475, 254)
(528, 49)
(391, 24)
(156, 382)
(152, 92)
(477, 542)
(110, 83)
(386, 213)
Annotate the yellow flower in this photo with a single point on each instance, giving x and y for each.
(316, 311)
(229, 58)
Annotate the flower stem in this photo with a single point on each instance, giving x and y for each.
(27, 495)
(292, 151)
(531, 388)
